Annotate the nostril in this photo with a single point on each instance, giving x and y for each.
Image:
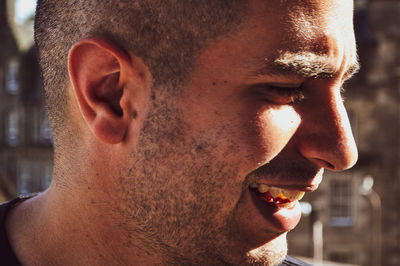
(323, 164)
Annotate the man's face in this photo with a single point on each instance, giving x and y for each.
(263, 106)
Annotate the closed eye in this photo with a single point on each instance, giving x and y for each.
(276, 94)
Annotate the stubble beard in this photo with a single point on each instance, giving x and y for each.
(270, 254)
(172, 192)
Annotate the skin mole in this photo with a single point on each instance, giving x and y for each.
(134, 114)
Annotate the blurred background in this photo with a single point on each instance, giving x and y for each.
(352, 219)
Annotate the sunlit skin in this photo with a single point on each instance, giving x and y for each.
(256, 112)
(170, 184)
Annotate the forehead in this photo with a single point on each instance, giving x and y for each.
(318, 26)
(304, 21)
(298, 13)
(319, 32)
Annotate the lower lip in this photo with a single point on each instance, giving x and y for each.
(282, 218)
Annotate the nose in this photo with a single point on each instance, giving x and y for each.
(325, 135)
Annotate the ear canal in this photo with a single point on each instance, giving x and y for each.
(110, 94)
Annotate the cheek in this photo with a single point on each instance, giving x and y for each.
(274, 128)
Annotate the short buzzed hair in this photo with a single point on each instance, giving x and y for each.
(166, 34)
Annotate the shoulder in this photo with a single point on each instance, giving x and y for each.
(4, 210)
(290, 261)
(6, 252)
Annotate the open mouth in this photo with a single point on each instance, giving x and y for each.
(283, 198)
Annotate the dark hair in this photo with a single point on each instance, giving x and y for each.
(166, 34)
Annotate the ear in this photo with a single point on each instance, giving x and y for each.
(104, 80)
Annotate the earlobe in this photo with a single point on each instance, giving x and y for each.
(97, 70)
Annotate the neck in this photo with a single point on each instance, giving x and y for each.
(80, 228)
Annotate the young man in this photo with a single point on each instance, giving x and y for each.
(185, 132)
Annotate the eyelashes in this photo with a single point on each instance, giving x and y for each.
(280, 95)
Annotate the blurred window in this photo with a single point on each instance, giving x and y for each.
(13, 127)
(1, 79)
(12, 78)
(341, 203)
(33, 175)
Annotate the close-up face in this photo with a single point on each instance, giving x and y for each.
(220, 166)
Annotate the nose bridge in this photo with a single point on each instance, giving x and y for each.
(326, 137)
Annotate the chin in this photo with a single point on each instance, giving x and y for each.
(271, 253)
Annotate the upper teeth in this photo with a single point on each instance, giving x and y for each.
(276, 192)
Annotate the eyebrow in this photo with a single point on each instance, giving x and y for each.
(306, 65)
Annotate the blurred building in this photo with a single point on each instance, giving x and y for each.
(345, 223)
(25, 135)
